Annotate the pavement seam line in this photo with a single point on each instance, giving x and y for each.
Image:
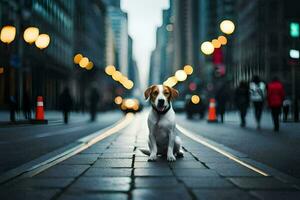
(224, 153)
(50, 162)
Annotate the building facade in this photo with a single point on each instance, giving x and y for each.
(25, 68)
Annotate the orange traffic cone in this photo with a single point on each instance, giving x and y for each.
(39, 112)
(212, 116)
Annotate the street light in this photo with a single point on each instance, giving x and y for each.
(42, 41)
(222, 39)
(8, 34)
(117, 75)
(77, 58)
(84, 62)
(188, 69)
(207, 48)
(31, 34)
(110, 69)
(90, 65)
(227, 27)
(180, 75)
(171, 81)
(216, 43)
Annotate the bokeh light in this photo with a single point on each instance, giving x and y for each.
(180, 75)
(42, 41)
(90, 65)
(117, 75)
(195, 99)
(84, 62)
(31, 34)
(77, 58)
(188, 69)
(118, 100)
(216, 43)
(110, 69)
(222, 39)
(227, 27)
(8, 34)
(207, 48)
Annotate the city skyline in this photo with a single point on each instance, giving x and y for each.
(143, 19)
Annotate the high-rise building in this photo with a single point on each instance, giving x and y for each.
(161, 62)
(186, 38)
(90, 40)
(119, 23)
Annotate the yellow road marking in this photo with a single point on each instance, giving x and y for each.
(224, 153)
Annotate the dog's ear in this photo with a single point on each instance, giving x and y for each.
(174, 93)
(148, 92)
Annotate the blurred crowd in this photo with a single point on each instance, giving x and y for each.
(256, 94)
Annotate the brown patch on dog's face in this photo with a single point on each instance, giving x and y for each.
(170, 93)
(151, 92)
(167, 92)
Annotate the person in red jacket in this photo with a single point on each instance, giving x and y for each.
(275, 93)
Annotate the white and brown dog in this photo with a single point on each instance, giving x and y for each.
(161, 123)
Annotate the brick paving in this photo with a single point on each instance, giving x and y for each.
(114, 168)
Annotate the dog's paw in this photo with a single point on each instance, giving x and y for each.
(171, 158)
(179, 154)
(152, 157)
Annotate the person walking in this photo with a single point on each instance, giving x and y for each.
(222, 97)
(66, 104)
(94, 100)
(27, 105)
(242, 100)
(257, 97)
(286, 108)
(275, 94)
(13, 106)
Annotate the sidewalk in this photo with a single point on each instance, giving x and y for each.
(115, 169)
(51, 116)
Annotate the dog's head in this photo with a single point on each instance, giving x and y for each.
(161, 96)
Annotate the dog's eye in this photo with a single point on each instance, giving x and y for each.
(166, 93)
(155, 93)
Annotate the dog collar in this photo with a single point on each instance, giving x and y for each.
(161, 112)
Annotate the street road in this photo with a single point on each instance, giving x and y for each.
(115, 168)
(22, 143)
(279, 150)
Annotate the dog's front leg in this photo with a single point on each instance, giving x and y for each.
(152, 147)
(170, 154)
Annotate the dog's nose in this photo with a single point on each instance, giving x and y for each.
(161, 102)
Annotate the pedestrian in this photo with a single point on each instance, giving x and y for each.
(66, 104)
(286, 108)
(94, 100)
(12, 108)
(27, 105)
(242, 101)
(222, 99)
(275, 92)
(257, 97)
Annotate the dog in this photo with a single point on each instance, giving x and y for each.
(161, 123)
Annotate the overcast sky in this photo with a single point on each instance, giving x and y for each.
(144, 17)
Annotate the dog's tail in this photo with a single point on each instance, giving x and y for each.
(145, 151)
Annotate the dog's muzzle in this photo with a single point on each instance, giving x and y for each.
(161, 104)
